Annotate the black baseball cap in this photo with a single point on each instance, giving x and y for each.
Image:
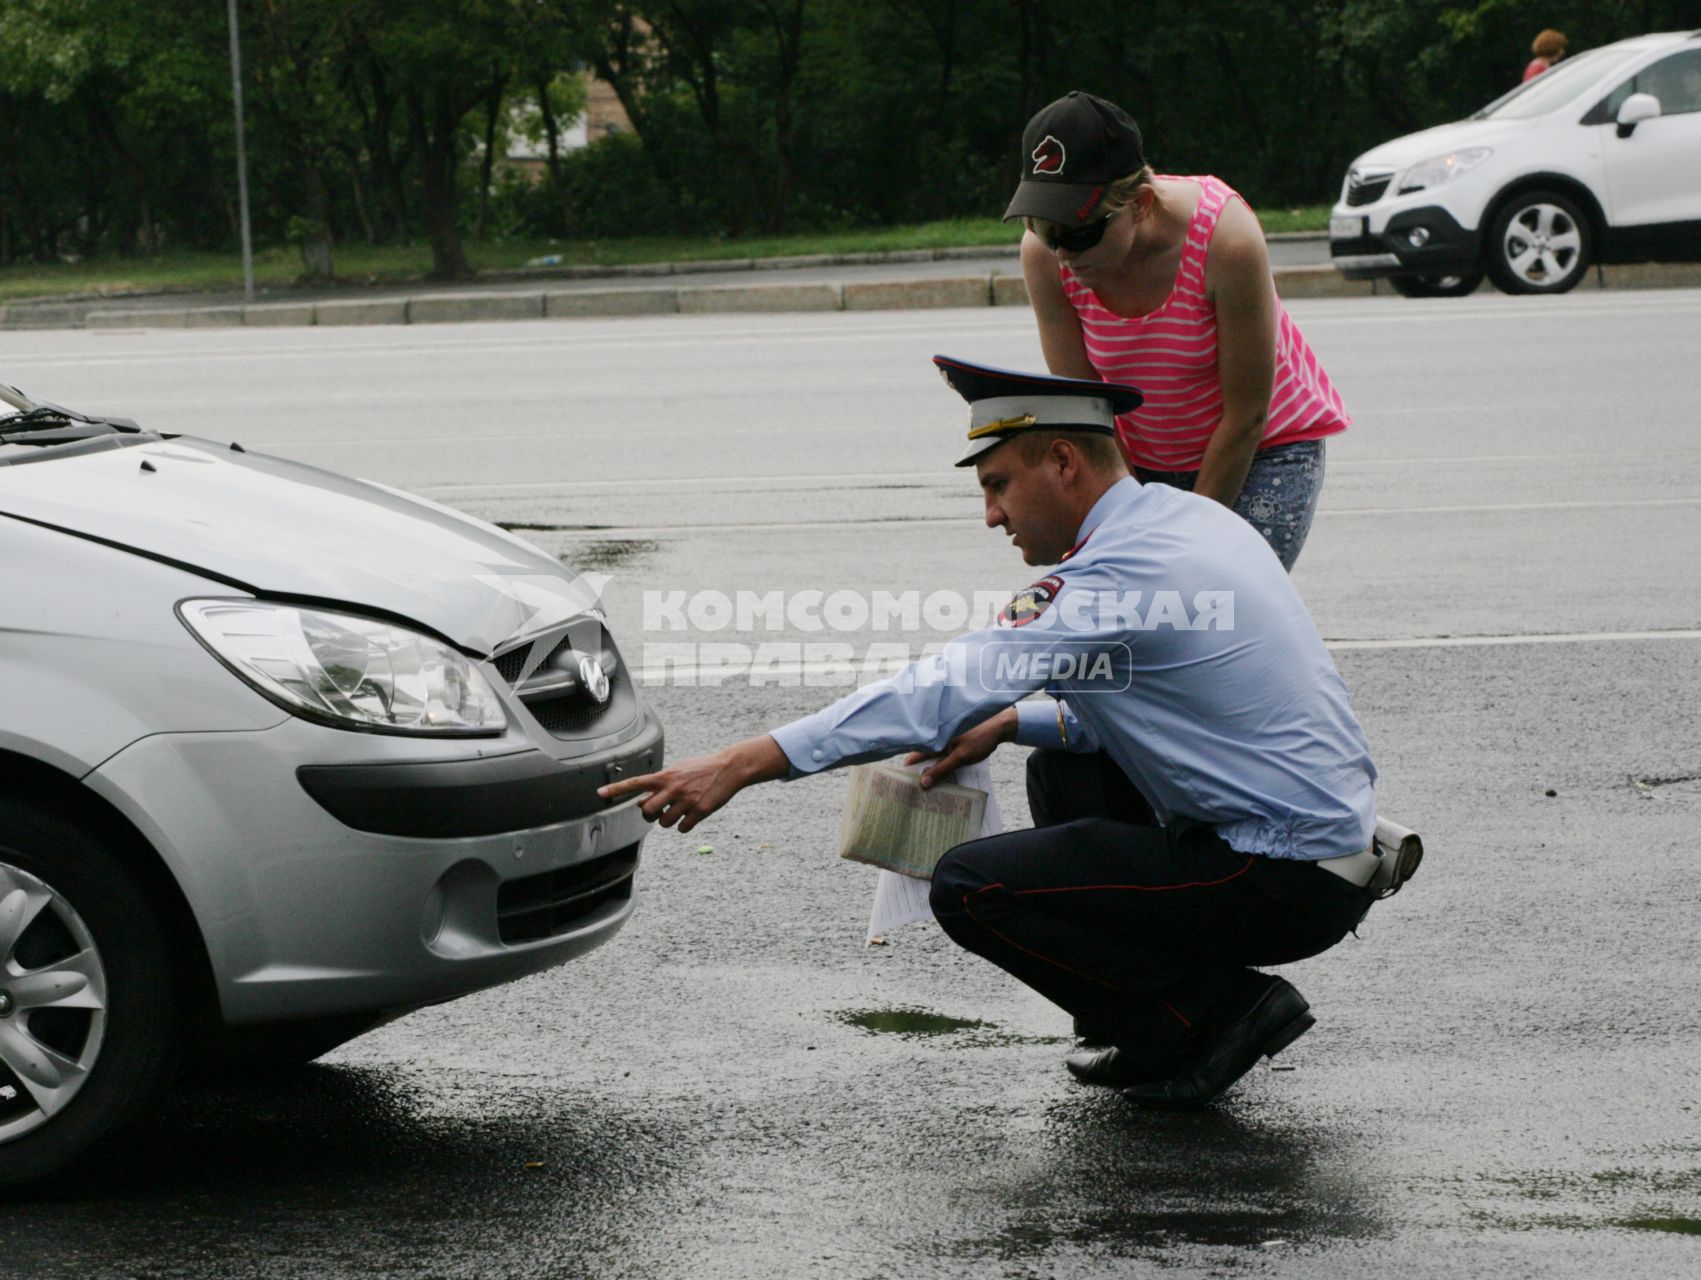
(1072, 151)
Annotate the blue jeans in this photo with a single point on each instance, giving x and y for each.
(1279, 497)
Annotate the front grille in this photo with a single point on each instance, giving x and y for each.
(555, 695)
(510, 664)
(550, 904)
(575, 715)
(1366, 188)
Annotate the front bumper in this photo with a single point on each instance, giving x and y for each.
(1446, 248)
(422, 871)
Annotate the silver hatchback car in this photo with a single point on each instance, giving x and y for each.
(282, 755)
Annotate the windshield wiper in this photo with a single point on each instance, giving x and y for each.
(48, 424)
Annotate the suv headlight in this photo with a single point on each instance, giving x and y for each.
(1437, 170)
(347, 671)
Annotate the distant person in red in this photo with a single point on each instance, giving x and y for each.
(1549, 48)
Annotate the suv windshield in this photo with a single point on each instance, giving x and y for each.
(1553, 88)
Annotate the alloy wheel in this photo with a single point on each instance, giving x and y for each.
(53, 1002)
(1542, 245)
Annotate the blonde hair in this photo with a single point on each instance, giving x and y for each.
(1121, 194)
(1125, 190)
(1549, 44)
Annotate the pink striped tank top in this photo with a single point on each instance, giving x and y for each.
(1171, 355)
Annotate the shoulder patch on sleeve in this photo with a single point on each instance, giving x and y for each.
(1030, 602)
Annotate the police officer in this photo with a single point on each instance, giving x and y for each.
(1201, 791)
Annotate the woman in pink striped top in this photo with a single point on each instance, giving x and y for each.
(1164, 283)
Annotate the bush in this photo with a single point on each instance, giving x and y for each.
(612, 190)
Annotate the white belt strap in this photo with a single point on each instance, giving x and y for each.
(1354, 868)
(1391, 860)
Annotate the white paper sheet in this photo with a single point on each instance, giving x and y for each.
(901, 900)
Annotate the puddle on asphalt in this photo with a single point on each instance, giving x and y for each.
(529, 526)
(609, 553)
(971, 1033)
(1681, 1226)
(910, 1022)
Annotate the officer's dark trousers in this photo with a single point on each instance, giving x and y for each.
(1140, 931)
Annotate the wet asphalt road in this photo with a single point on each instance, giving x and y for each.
(1505, 1078)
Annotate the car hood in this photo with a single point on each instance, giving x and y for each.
(280, 528)
(1438, 141)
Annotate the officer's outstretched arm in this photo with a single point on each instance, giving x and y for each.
(693, 789)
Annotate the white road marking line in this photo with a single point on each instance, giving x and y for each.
(543, 488)
(413, 345)
(1508, 506)
(837, 326)
(681, 530)
(827, 479)
(1479, 642)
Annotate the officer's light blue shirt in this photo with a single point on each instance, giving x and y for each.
(1172, 640)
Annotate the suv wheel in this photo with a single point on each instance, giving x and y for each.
(1435, 286)
(1540, 243)
(89, 995)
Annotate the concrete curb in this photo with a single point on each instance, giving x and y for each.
(283, 313)
(364, 311)
(1654, 275)
(80, 306)
(1318, 282)
(762, 297)
(997, 288)
(903, 295)
(451, 308)
(568, 305)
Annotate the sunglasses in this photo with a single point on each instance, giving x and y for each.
(1070, 239)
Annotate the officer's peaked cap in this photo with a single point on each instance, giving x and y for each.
(1004, 403)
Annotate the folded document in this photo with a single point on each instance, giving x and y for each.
(891, 823)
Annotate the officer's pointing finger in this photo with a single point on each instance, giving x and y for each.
(626, 786)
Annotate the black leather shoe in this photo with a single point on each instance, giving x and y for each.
(1276, 1016)
(1111, 1066)
(1088, 1036)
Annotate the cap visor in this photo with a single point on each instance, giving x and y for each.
(984, 445)
(1056, 201)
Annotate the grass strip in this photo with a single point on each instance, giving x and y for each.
(277, 270)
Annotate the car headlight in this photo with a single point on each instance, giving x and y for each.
(348, 671)
(1437, 170)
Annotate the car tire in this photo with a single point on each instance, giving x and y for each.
(91, 992)
(1541, 242)
(1435, 286)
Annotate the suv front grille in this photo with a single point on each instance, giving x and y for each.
(550, 904)
(1366, 188)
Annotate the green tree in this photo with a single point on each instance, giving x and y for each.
(445, 58)
(118, 123)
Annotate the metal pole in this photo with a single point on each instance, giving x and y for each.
(241, 158)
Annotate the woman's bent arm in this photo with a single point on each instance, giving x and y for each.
(1059, 328)
(1244, 296)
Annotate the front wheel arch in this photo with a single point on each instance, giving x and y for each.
(1590, 217)
(91, 991)
(25, 777)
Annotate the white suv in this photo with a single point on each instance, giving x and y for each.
(1595, 160)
